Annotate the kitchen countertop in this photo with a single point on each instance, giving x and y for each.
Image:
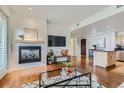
(119, 49)
(103, 51)
(109, 51)
(98, 50)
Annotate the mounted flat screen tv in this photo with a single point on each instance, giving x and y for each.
(56, 41)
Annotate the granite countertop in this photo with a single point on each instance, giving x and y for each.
(102, 51)
(119, 49)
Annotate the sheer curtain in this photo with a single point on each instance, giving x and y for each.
(3, 44)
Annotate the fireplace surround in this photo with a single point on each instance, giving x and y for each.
(28, 54)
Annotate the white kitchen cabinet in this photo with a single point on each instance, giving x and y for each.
(120, 55)
(104, 58)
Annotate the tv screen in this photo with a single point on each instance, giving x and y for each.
(56, 41)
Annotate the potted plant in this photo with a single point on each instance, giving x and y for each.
(50, 56)
(94, 46)
(68, 65)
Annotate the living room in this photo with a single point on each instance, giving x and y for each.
(51, 39)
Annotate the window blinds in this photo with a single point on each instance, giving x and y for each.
(3, 44)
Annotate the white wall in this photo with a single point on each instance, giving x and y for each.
(109, 40)
(91, 40)
(17, 25)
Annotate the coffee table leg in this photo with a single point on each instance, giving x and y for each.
(39, 80)
(90, 78)
(75, 71)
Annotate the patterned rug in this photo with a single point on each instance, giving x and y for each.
(121, 85)
(83, 80)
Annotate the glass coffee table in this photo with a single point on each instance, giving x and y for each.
(64, 77)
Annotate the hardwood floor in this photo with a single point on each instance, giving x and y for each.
(110, 78)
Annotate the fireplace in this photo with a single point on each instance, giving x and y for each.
(28, 54)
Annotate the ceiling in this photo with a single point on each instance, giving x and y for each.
(114, 23)
(63, 15)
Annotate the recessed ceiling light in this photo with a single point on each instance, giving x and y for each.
(30, 8)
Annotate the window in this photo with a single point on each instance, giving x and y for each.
(3, 44)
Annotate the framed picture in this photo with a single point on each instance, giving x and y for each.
(101, 43)
(30, 34)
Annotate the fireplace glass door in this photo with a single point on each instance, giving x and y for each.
(29, 54)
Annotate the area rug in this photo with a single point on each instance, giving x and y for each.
(83, 80)
(121, 85)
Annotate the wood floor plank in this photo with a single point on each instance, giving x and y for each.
(110, 78)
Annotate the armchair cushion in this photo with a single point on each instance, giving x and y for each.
(64, 52)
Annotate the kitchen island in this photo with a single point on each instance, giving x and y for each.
(120, 54)
(104, 58)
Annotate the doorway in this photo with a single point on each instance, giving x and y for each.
(83, 47)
